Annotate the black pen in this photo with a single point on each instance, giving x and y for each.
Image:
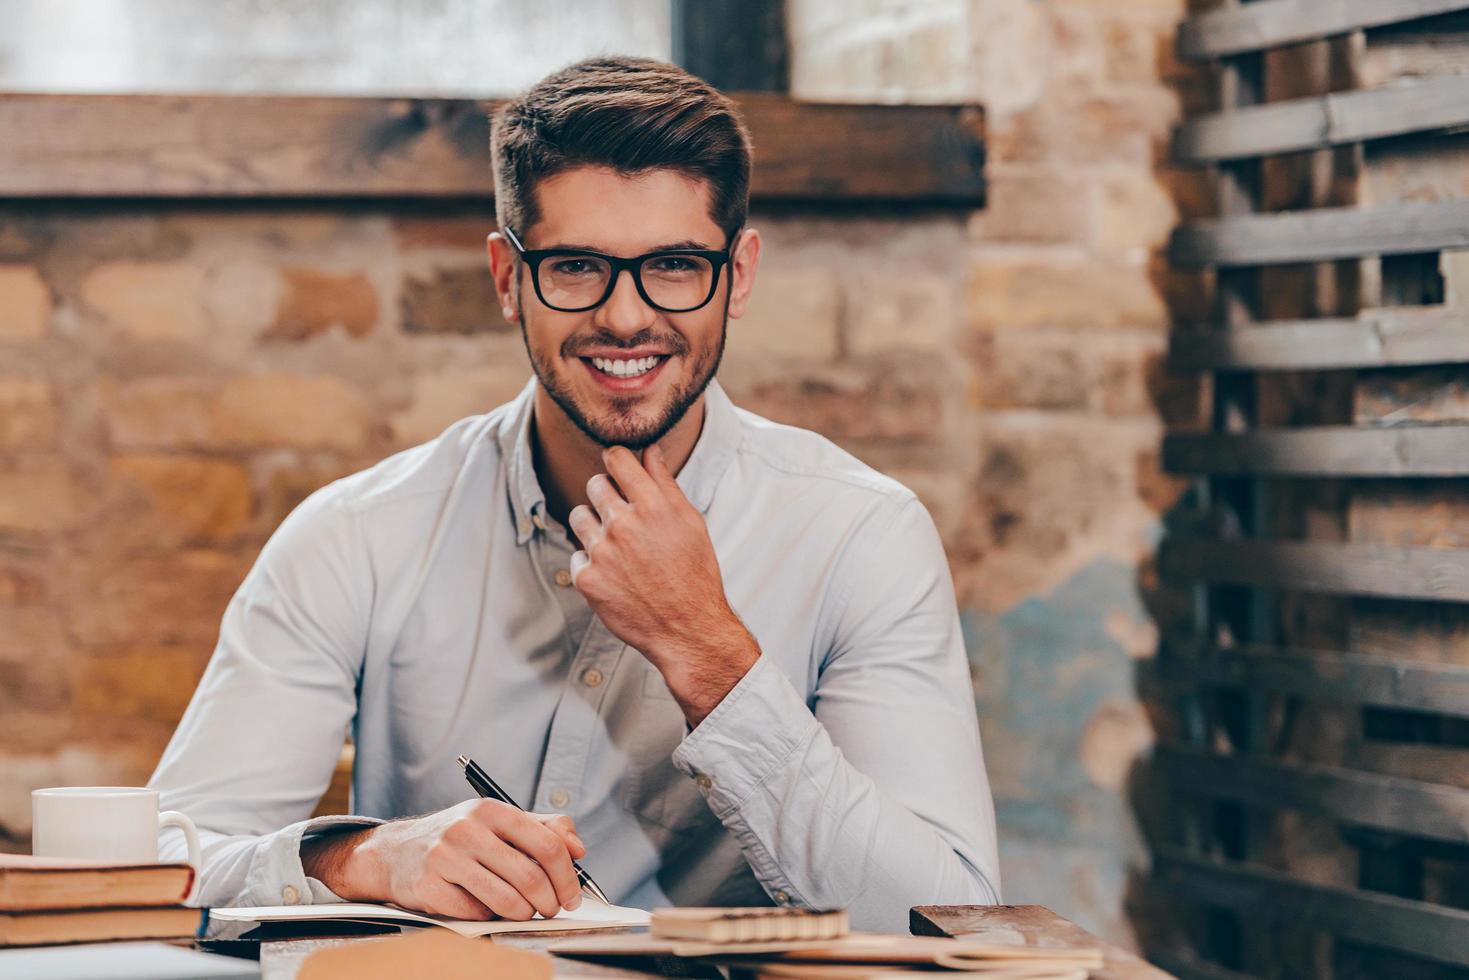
(486, 787)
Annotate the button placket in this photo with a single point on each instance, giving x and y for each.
(577, 718)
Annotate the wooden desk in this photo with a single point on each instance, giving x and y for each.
(1025, 925)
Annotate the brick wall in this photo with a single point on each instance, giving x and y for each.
(173, 381)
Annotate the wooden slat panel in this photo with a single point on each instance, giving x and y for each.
(1326, 450)
(1375, 338)
(1322, 675)
(1365, 799)
(1273, 23)
(1420, 928)
(1332, 120)
(71, 146)
(1321, 234)
(1434, 574)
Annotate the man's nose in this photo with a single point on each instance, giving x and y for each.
(625, 312)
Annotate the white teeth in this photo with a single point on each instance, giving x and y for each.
(625, 369)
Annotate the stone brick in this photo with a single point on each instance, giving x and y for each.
(171, 598)
(1115, 736)
(449, 233)
(1035, 205)
(20, 584)
(1130, 127)
(1137, 213)
(453, 301)
(28, 416)
(286, 478)
(153, 682)
(25, 304)
(150, 301)
(187, 500)
(1008, 58)
(1136, 48)
(158, 413)
(1009, 292)
(1050, 371)
(41, 497)
(442, 397)
(302, 412)
(903, 311)
(314, 302)
(850, 409)
(33, 633)
(792, 313)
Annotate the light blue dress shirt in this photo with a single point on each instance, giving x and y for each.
(424, 605)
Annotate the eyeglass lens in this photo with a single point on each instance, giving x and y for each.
(672, 282)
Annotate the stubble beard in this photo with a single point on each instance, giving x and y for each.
(621, 425)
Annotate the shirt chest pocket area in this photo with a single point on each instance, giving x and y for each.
(655, 791)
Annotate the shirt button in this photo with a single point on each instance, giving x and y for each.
(780, 897)
(563, 577)
(703, 780)
(592, 677)
(290, 895)
(560, 798)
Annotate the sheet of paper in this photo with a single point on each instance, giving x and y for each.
(592, 915)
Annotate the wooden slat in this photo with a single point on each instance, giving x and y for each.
(1419, 928)
(68, 146)
(1374, 338)
(1273, 23)
(1433, 574)
(1331, 120)
(1403, 806)
(1324, 675)
(1326, 450)
(1321, 234)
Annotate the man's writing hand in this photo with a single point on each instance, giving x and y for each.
(480, 859)
(648, 569)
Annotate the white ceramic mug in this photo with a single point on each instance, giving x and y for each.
(105, 823)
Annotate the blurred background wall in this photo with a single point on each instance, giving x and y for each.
(173, 380)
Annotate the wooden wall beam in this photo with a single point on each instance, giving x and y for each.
(1331, 120)
(228, 146)
(1432, 574)
(1334, 450)
(1274, 23)
(1374, 338)
(1323, 675)
(1418, 928)
(1403, 806)
(1321, 234)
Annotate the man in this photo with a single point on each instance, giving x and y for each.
(721, 654)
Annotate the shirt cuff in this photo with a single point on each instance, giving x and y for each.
(748, 735)
(276, 875)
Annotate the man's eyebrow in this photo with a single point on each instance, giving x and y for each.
(668, 247)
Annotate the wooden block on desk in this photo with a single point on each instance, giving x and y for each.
(1027, 925)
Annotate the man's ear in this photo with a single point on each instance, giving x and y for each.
(503, 267)
(743, 259)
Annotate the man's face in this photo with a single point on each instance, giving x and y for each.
(594, 364)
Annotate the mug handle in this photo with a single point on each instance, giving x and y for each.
(173, 818)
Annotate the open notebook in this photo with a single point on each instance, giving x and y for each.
(592, 915)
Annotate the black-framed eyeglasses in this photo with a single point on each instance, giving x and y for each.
(675, 280)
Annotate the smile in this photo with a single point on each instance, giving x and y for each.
(627, 368)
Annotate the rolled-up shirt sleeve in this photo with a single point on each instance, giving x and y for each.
(871, 795)
(260, 739)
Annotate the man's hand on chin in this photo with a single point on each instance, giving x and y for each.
(648, 570)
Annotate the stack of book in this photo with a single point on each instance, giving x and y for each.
(58, 900)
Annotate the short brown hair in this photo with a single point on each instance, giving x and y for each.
(631, 115)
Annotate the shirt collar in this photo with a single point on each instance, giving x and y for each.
(718, 440)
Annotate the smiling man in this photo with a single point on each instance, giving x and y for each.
(718, 658)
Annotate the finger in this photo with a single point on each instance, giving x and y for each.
(488, 887)
(579, 560)
(605, 498)
(531, 881)
(547, 849)
(456, 902)
(657, 466)
(563, 825)
(585, 525)
(632, 479)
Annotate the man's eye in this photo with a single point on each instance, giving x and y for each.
(673, 263)
(572, 267)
